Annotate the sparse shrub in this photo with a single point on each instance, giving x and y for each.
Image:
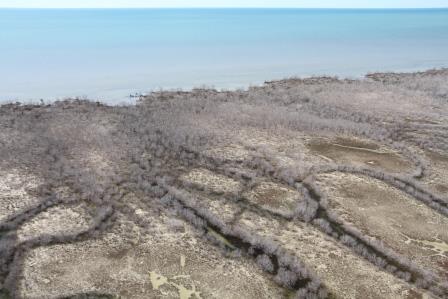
(265, 263)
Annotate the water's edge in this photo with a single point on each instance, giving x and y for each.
(133, 97)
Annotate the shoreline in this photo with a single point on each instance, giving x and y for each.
(311, 79)
(245, 49)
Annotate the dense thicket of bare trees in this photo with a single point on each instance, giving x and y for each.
(96, 154)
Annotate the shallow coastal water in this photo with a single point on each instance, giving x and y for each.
(109, 54)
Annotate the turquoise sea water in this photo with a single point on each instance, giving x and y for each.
(109, 54)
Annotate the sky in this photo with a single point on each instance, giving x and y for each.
(224, 3)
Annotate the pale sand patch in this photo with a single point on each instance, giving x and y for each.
(56, 221)
(14, 197)
(216, 183)
(274, 197)
(345, 274)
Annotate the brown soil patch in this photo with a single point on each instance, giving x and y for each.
(360, 153)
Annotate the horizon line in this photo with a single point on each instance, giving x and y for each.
(230, 7)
